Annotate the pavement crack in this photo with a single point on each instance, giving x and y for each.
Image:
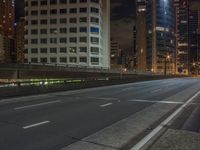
(95, 143)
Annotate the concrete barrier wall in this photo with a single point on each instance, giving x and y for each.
(9, 92)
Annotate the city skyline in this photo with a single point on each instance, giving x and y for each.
(122, 19)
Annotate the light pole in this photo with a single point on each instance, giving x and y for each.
(197, 52)
(165, 63)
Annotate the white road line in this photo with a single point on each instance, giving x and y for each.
(105, 105)
(35, 105)
(150, 101)
(157, 90)
(147, 138)
(36, 124)
(103, 98)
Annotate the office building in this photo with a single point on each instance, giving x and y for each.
(182, 37)
(160, 38)
(68, 32)
(7, 18)
(19, 40)
(114, 53)
(194, 41)
(140, 35)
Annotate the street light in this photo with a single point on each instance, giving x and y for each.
(122, 70)
(165, 69)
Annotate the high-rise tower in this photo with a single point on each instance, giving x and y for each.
(194, 41)
(182, 36)
(160, 26)
(141, 35)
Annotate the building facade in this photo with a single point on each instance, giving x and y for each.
(194, 41)
(182, 36)
(160, 30)
(68, 32)
(19, 40)
(141, 35)
(7, 19)
(114, 53)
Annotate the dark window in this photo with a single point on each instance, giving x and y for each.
(72, 1)
(72, 10)
(83, 10)
(73, 20)
(63, 1)
(34, 3)
(63, 11)
(53, 2)
(43, 2)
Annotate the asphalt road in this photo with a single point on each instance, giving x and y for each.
(56, 120)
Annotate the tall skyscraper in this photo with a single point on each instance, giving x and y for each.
(182, 37)
(160, 26)
(141, 35)
(194, 41)
(68, 32)
(7, 18)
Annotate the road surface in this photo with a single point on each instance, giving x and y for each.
(111, 117)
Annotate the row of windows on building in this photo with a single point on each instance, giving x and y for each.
(62, 11)
(93, 40)
(54, 2)
(93, 60)
(63, 50)
(94, 30)
(63, 21)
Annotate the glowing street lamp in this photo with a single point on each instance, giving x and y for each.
(166, 59)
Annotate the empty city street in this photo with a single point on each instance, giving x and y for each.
(112, 117)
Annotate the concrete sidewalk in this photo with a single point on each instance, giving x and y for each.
(177, 140)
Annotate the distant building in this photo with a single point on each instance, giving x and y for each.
(160, 30)
(114, 53)
(182, 37)
(141, 35)
(134, 47)
(19, 40)
(73, 33)
(194, 41)
(7, 18)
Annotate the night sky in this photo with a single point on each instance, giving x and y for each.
(122, 19)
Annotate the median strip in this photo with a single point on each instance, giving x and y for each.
(36, 124)
(35, 105)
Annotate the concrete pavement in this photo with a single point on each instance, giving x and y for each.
(112, 117)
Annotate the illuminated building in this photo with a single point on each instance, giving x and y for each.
(182, 37)
(114, 53)
(194, 41)
(7, 18)
(141, 35)
(19, 40)
(160, 30)
(68, 32)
